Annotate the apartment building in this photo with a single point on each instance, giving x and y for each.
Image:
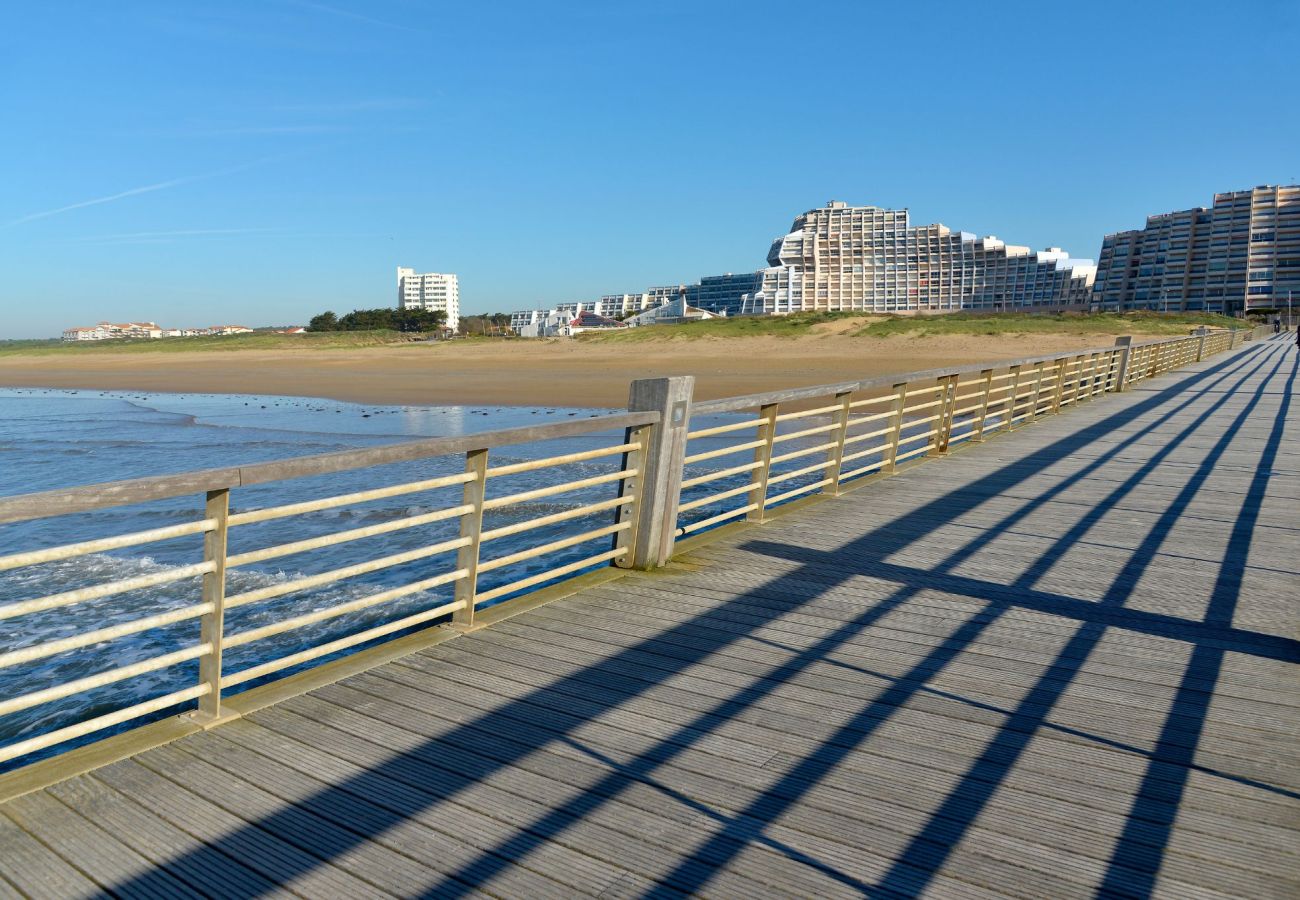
(434, 291)
(727, 295)
(1240, 255)
(869, 259)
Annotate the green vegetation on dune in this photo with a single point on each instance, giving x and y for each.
(1054, 323)
(258, 340)
(804, 324)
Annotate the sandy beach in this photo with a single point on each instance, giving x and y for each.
(526, 373)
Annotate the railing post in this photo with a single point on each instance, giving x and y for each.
(1060, 385)
(757, 496)
(631, 513)
(471, 526)
(1078, 378)
(1124, 346)
(835, 457)
(1038, 392)
(212, 625)
(943, 425)
(1012, 397)
(900, 400)
(977, 434)
(660, 482)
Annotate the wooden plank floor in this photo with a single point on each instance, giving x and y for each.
(1061, 664)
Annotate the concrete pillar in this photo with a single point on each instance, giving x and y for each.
(1125, 346)
(660, 482)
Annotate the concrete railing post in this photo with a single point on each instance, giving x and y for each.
(1124, 345)
(660, 484)
(1202, 333)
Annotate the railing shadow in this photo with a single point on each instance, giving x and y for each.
(440, 769)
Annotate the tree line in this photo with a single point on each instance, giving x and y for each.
(381, 319)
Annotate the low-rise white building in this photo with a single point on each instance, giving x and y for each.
(432, 291)
(674, 312)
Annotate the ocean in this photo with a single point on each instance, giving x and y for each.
(55, 438)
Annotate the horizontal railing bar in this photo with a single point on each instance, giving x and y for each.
(141, 490)
(76, 642)
(879, 448)
(394, 490)
(82, 548)
(816, 429)
(500, 562)
(715, 498)
(753, 401)
(94, 592)
(721, 473)
(256, 634)
(724, 451)
(374, 565)
(867, 435)
(714, 520)
(874, 417)
(351, 640)
(342, 537)
(806, 413)
(807, 488)
(724, 429)
(803, 451)
(750, 401)
(869, 401)
(90, 682)
(487, 596)
(910, 453)
(443, 446)
(40, 742)
(786, 476)
(920, 406)
(579, 512)
(510, 499)
(875, 466)
(532, 465)
(917, 437)
(930, 389)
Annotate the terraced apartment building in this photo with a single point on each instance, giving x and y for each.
(1240, 255)
(870, 259)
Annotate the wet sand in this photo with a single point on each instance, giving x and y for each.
(526, 373)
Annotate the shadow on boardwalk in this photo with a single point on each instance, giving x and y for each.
(1180, 409)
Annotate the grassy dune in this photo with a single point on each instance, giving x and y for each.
(860, 325)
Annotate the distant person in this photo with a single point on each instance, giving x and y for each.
(1277, 324)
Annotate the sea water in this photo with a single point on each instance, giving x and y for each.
(52, 439)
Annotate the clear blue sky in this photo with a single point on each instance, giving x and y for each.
(257, 162)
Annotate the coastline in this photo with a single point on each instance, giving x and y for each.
(543, 373)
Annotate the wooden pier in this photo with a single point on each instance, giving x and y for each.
(1063, 662)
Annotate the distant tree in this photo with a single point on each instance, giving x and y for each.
(418, 320)
(381, 319)
(326, 321)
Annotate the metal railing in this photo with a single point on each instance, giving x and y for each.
(670, 480)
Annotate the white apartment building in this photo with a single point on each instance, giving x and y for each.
(868, 259)
(434, 291)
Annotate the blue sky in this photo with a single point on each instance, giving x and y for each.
(257, 162)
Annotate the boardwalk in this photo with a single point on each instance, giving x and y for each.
(1064, 663)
